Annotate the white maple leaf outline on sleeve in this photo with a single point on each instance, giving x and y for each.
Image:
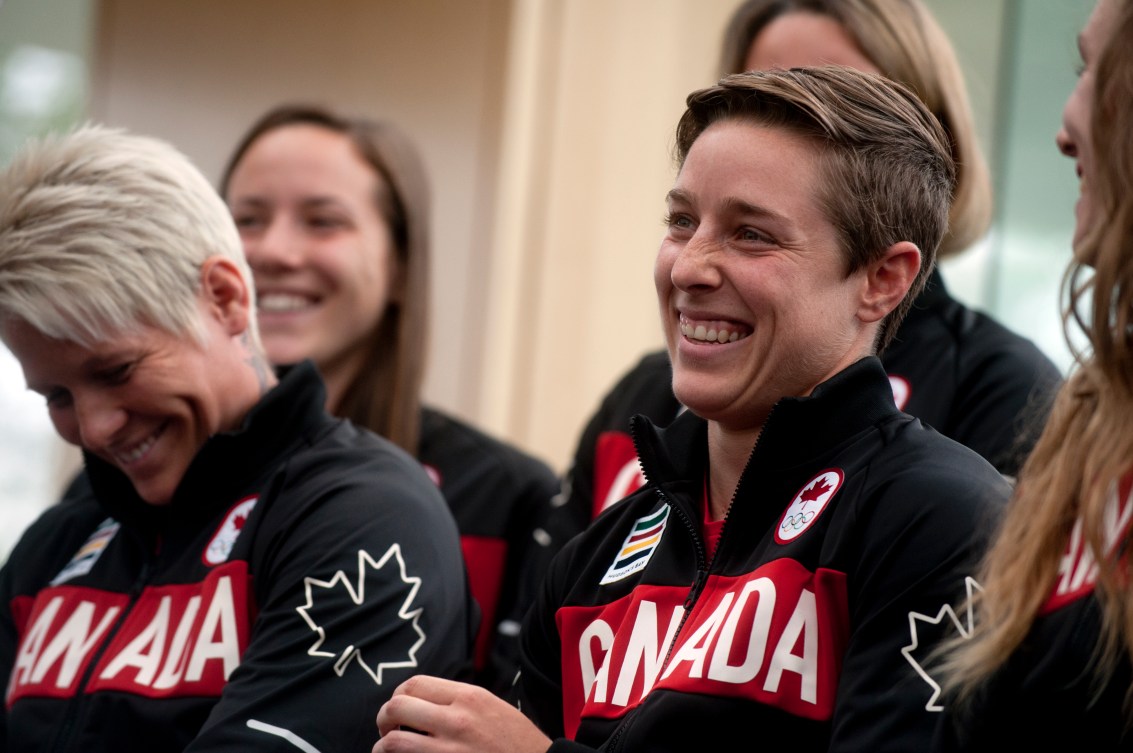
(358, 595)
(964, 626)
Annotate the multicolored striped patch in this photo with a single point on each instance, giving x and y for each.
(89, 552)
(639, 546)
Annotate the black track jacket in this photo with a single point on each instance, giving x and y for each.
(956, 369)
(500, 498)
(851, 534)
(303, 569)
(1050, 694)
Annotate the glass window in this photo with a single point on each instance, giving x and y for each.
(1019, 59)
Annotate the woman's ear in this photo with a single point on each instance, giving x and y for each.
(888, 280)
(226, 294)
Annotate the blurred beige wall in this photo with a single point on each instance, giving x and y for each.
(198, 73)
(594, 92)
(547, 130)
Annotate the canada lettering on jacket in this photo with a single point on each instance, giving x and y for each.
(175, 640)
(1078, 568)
(775, 635)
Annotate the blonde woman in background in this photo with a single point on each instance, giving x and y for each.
(1049, 666)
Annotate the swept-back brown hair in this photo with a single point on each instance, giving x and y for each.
(1087, 445)
(906, 44)
(385, 394)
(887, 168)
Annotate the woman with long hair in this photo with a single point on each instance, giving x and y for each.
(1050, 659)
(334, 216)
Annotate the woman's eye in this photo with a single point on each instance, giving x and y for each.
(326, 223)
(118, 374)
(678, 221)
(57, 399)
(246, 222)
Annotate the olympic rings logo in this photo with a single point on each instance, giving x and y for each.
(808, 504)
(798, 521)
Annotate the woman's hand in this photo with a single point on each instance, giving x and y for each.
(433, 715)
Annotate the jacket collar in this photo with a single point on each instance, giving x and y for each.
(798, 428)
(229, 464)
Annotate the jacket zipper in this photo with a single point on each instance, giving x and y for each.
(694, 592)
(743, 474)
(702, 569)
(76, 702)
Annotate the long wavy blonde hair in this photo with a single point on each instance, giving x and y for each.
(1087, 445)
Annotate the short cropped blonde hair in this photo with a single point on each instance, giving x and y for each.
(102, 231)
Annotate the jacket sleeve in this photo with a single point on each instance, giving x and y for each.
(922, 537)
(533, 540)
(1002, 402)
(359, 584)
(539, 691)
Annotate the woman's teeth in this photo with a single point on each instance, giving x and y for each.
(282, 302)
(135, 453)
(710, 333)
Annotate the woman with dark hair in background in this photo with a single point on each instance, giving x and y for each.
(334, 216)
(956, 369)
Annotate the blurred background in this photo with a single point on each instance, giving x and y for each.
(546, 127)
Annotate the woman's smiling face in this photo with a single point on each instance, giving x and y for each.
(1074, 137)
(304, 201)
(144, 402)
(751, 280)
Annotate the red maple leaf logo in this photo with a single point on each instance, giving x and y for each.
(817, 488)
